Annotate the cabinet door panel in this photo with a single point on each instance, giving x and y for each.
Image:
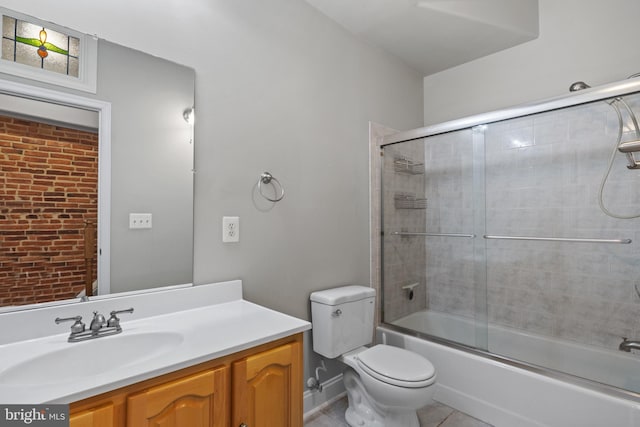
(267, 388)
(97, 417)
(199, 400)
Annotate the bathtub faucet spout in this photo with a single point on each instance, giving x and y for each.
(627, 345)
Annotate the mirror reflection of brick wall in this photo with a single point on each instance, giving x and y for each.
(48, 197)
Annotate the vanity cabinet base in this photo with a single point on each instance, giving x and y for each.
(261, 386)
(196, 400)
(267, 387)
(101, 416)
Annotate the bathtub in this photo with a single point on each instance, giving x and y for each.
(509, 394)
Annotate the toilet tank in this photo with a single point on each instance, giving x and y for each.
(342, 319)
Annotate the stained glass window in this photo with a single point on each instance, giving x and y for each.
(36, 46)
(46, 52)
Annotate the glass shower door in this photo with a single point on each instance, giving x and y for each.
(501, 237)
(434, 270)
(562, 275)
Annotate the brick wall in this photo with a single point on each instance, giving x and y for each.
(48, 191)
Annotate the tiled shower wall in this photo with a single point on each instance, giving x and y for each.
(403, 257)
(543, 174)
(449, 188)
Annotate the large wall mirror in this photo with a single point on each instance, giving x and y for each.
(150, 171)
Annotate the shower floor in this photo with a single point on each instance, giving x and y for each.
(433, 415)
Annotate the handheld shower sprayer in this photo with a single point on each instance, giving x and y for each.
(628, 148)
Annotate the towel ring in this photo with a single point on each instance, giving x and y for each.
(267, 178)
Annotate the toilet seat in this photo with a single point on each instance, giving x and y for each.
(396, 366)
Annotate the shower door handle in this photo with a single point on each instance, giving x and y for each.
(559, 239)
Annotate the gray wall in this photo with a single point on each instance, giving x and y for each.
(590, 40)
(279, 88)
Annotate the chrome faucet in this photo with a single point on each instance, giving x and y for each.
(98, 322)
(627, 345)
(99, 327)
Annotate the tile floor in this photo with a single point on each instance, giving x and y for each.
(432, 415)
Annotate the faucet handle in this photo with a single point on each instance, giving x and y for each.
(77, 327)
(114, 320)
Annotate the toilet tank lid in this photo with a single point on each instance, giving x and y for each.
(342, 294)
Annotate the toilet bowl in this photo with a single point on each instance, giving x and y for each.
(385, 385)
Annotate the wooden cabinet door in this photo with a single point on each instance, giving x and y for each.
(199, 400)
(267, 388)
(101, 416)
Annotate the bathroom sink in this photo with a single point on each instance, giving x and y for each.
(90, 358)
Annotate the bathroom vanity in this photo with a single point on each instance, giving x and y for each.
(262, 383)
(198, 356)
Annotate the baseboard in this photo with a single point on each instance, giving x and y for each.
(315, 400)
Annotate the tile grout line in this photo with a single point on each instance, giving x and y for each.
(445, 420)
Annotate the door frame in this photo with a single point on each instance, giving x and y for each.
(103, 109)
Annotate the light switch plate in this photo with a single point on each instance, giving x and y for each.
(140, 220)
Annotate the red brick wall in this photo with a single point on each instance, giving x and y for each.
(48, 189)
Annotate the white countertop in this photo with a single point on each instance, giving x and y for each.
(206, 333)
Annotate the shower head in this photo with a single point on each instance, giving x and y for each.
(578, 86)
(629, 147)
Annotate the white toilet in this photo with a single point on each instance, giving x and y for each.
(385, 385)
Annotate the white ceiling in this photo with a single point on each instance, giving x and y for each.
(433, 35)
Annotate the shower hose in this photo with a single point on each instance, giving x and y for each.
(614, 104)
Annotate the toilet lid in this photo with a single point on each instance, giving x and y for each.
(397, 366)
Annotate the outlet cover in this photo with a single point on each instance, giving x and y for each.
(230, 229)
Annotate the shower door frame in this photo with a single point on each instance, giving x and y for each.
(585, 96)
(476, 123)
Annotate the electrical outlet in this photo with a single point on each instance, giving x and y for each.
(140, 220)
(230, 229)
